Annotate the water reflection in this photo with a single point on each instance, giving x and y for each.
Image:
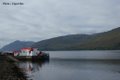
(72, 70)
(82, 65)
(30, 67)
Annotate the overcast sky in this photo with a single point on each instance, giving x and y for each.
(42, 19)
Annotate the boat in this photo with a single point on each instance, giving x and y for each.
(30, 54)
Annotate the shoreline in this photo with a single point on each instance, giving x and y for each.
(9, 71)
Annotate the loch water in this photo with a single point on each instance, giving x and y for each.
(75, 65)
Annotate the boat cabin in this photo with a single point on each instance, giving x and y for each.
(27, 52)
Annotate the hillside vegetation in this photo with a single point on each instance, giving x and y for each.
(62, 42)
(109, 40)
(106, 40)
(100, 41)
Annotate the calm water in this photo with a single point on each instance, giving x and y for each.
(75, 65)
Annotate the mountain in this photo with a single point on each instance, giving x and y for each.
(62, 42)
(107, 40)
(16, 45)
(104, 40)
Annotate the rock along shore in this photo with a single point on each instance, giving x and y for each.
(9, 71)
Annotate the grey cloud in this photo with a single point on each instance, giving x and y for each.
(43, 19)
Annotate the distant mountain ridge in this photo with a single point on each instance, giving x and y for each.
(100, 41)
(109, 40)
(17, 45)
(62, 42)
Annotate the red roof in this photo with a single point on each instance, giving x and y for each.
(27, 49)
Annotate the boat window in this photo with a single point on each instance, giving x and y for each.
(23, 51)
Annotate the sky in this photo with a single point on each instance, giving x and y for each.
(42, 19)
